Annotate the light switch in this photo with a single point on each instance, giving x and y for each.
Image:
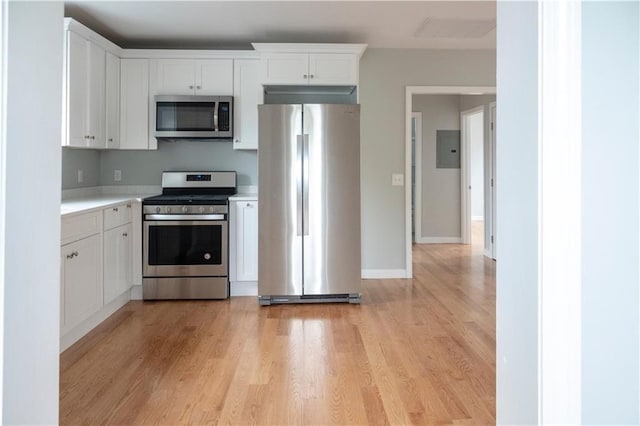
(397, 179)
(117, 175)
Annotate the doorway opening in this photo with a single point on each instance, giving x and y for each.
(417, 228)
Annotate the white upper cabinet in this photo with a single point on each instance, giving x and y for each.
(309, 64)
(193, 77)
(285, 68)
(85, 93)
(247, 95)
(134, 105)
(328, 68)
(112, 104)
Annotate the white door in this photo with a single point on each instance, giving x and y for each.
(247, 235)
(112, 104)
(285, 68)
(96, 96)
(247, 95)
(82, 280)
(77, 90)
(176, 77)
(214, 77)
(330, 68)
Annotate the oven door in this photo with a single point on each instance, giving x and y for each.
(185, 248)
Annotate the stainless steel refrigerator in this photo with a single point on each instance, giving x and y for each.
(309, 203)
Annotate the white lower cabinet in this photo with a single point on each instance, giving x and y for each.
(243, 244)
(81, 263)
(96, 268)
(117, 262)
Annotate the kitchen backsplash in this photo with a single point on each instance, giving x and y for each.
(146, 167)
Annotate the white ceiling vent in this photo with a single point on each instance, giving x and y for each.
(455, 28)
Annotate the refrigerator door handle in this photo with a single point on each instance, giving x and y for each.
(305, 184)
(299, 185)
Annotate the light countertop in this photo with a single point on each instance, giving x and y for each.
(250, 196)
(93, 202)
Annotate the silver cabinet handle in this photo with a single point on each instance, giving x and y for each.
(72, 255)
(215, 116)
(305, 184)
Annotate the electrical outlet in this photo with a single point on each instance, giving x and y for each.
(117, 175)
(80, 177)
(397, 179)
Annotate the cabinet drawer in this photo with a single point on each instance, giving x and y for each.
(117, 215)
(81, 226)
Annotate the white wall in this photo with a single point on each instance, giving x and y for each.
(384, 74)
(610, 212)
(476, 142)
(32, 213)
(440, 187)
(517, 227)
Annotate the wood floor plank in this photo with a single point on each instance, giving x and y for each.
(419, 351)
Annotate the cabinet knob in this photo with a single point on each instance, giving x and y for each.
(128, 206)
(93, 137)
(115, 209)
(124, 234)
(311, 76)
(87, 137)
(72, 255)
(190, 87)
(305, 76)
(110, 139)
(197, 87)
(249, 205)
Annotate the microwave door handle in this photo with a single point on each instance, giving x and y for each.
(215, 116)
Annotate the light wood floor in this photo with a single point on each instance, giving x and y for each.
(418, 351)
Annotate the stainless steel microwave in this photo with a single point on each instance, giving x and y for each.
(188, 117)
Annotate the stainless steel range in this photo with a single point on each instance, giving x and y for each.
(186, 237)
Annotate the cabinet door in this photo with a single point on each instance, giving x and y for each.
(285, 68)
(82, 280)
(247, 241)
(329, 68)
(176, 77)
(117, 262)
(134, 104)
(247, 95)
(214, 77)
(96, 110)
(112, 104)
(77, 91)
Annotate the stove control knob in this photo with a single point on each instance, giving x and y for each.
(158, 209)
(168, 209)
(185, 209)
(201, 209)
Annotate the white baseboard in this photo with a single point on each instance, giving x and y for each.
(439, 240)
(76, 333)
(243, 288)
(381, 274)
(136, 292)
(481, 218)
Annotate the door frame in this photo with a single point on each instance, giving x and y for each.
(424, 90)
(417, 209)
(465, 173)
(491, 253)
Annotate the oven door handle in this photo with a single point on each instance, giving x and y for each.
(184, 217)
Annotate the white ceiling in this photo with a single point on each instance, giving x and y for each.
(235, 24)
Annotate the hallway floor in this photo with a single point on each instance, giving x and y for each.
(418, 351)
